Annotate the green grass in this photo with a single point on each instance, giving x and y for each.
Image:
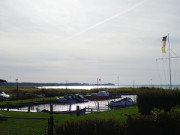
(29, 127)
(119, 114)
(23, 127)
(26, 100)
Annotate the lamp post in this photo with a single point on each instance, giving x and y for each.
(151, 82)
(17, 84)
(66, 84)
(98, 80)
(118, 80)
(133, 83)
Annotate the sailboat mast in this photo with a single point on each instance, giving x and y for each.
(169, 64)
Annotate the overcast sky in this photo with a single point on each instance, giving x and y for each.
(82, 40)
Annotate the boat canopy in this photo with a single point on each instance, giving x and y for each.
(103, 93)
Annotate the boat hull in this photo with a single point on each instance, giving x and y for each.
(122, 103)
(97, 97)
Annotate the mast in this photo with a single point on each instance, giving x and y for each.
(169, 64)
(166, 39)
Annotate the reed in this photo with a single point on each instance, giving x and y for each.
(147, 100)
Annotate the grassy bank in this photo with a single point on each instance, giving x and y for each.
(119, 114)
(29, 127)
(26, 100)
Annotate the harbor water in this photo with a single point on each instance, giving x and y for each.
(89, 87)
(95, 105)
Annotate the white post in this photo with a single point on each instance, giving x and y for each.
(169, 64)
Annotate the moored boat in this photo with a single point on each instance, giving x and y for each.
(79, 98)
(122, 103)
(4, 95)
(101, 95)
(71, 98)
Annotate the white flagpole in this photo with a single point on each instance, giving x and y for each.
(169, 64)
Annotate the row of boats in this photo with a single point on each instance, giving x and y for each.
(76, 98)
(101, 95)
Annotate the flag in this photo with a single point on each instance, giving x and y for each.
(164, 44)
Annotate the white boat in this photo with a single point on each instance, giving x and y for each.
(122, 103)
(4, 95)
(101, 95)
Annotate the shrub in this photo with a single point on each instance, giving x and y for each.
(91, 127)
(165, 123)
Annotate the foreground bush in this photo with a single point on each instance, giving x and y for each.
(92, 127)
(165, 123)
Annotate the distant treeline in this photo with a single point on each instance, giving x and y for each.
(50, 84)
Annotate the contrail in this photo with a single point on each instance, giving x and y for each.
(108, 19)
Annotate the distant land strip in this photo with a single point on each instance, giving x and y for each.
(52, 84)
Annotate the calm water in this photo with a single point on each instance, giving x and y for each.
(65, 107)
(112, 86)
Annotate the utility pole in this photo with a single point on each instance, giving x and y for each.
(17, 85)
(118, 80)
(151, 82)
(133, 83)
(66, 84)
